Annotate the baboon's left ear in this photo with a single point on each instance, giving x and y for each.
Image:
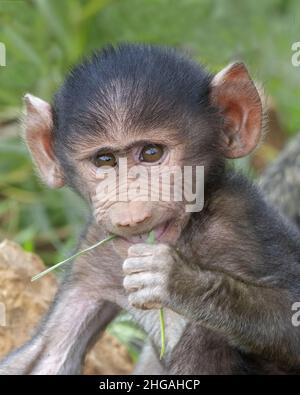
(234, 93)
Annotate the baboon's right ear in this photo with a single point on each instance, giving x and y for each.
(234, 93)
(39, 138)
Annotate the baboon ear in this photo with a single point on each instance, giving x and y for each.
(39, 139)
(235, 94)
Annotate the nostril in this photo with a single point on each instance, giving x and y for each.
(133, 221)
(123, 223)
(141, 219)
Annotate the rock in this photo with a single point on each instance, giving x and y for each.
(25, 302)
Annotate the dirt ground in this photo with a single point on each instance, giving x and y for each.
(25, 302)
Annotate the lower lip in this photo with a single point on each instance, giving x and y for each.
(159, 233)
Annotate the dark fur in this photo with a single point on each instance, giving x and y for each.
(252, 253)
(142, 88)
(157, 87)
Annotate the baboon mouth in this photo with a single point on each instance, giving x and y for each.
(158, 230)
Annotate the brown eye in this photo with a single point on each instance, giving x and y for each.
(106, 159)
(151, 153)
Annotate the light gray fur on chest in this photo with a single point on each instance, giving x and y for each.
(149, 320)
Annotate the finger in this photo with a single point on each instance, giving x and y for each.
(137, 265)
(145, 299)
(141, 249)
(136, 282)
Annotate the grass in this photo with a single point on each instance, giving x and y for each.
(79, 253)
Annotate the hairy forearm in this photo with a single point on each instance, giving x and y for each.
(254, 318)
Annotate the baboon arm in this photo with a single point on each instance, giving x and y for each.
(60, 344)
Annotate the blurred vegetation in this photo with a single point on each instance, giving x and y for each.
(45, 38)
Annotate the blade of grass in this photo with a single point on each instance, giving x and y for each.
(151, 240)
(39, 275)
(53, 20)
(92, 8)
(162, 333)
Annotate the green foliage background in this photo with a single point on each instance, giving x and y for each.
(45, 38)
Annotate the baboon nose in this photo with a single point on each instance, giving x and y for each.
(130, 214)
(133, 220)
